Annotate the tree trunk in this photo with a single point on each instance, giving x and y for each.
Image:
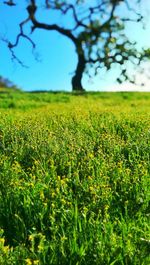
(77, 78)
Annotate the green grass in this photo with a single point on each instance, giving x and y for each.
(74, 178)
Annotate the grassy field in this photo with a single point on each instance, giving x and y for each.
(74, 178)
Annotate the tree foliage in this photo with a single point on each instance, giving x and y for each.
(97, 29)
(6, 83)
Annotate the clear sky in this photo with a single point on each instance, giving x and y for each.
(57, 57)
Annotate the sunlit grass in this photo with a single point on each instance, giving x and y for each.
(74, 178)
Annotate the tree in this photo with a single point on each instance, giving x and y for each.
(97, 29)
(6, 83)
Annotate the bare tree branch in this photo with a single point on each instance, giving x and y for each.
(14, 57)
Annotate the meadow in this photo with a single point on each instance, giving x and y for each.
(74, 178)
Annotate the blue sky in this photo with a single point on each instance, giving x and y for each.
(57, 57)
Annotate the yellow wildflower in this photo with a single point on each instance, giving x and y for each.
(58, 178)
(63, 201)
(42, 195)
(36, 262)
(57, 190)
(28, 261)
(31, 237)
(2, 241)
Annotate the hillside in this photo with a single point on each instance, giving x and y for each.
(74, 178)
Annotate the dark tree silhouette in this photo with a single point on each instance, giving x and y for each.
(97, 29)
